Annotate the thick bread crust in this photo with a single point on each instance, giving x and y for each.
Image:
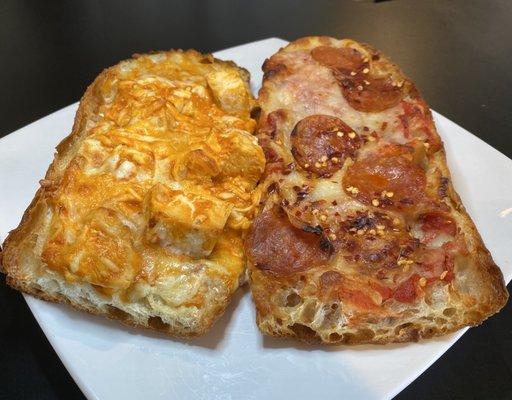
(19, 246)
(294, 305)
(116, 314)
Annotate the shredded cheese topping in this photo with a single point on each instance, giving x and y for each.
(163, 183)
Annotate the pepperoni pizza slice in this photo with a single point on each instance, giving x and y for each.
(361, 237)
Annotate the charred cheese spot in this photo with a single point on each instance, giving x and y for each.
(276, 246)
(321, 143)
(374, 241)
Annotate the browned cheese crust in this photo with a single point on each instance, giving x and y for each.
(141, 216)
(361, 237)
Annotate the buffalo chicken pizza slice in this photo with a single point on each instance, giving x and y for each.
(142, 214)
(361, 237)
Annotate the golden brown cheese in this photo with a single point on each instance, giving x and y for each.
(149, 199)
(162, 160)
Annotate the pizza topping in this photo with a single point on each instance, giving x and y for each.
(417, 124)
(276, 246)
(407, 291)
(351, 292)
(362, 91)
(345, 60)
(266, 139)
(321, 143)
(434, 262)
(374, 95)
(438, 263)
(440, 222)
(393, 234)
(436, 228)
(372, 240)
(392, 170)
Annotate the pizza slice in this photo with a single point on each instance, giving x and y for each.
(142, 214)
(361, 237)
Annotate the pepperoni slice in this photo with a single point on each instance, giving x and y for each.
(370, 94)
(321, 143)
(276, 246)
(392, 178)
(363, 92)
(344, 60)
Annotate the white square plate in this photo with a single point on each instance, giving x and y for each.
(234, 361)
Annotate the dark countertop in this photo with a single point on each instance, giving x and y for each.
(458, 52)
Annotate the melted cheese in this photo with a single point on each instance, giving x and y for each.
(300, 87)
(185, 223)
(163, 184)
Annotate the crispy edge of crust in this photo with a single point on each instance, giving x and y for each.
(10, 250)
(493, 285)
